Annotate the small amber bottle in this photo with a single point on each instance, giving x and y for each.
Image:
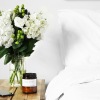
(29, 83)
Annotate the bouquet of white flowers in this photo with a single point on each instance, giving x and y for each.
(19, 31)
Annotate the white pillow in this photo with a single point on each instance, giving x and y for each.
(81, 30)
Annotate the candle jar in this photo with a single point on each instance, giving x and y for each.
(29, 83)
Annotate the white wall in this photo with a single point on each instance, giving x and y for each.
(44, 71)
(51, 5)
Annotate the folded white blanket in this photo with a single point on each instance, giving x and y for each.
(86, 91)
(71, 76)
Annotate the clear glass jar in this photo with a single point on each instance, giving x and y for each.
(16, 69)
(29, 83)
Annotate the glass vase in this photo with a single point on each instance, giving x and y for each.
(16, 71)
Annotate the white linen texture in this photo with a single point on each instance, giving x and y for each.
(81, 30)
(81, 77)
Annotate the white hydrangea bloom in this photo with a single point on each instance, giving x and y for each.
(6, 29)
(34, 26)
(33, 16)
(37, 23)
(1, 42)
(7, 45)
(19, 22)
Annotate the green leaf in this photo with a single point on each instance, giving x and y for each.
(21, 49)
(3, 52)
(31, 44)
(27, 54)
(1, 48)
(8, 58)
(15, 46)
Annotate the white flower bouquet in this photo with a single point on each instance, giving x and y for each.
(19, 31)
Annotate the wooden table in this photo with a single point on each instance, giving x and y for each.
(18, 95)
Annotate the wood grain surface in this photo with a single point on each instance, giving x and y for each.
(19, 95)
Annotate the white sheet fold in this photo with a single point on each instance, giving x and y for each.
(86, 91)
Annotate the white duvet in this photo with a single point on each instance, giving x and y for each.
(85, 91)
(76, 83)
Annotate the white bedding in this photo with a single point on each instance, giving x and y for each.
(85, 91)
(80, 80)
(72, 81)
